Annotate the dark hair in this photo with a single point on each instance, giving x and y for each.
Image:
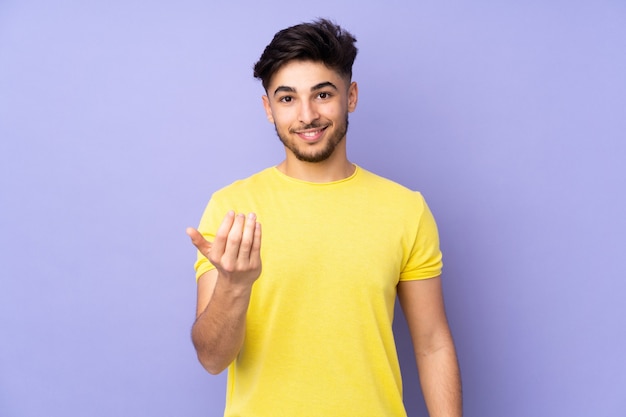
(319, 41)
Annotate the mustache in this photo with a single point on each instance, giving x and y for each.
(314, 125)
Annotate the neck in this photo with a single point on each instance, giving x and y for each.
(332, 169)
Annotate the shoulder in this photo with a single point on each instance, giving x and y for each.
(244, 185)
(390, 189)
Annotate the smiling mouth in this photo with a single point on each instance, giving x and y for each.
(311, 135)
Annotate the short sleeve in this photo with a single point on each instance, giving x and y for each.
(425, 258)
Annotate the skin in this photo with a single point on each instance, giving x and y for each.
(306, 98)
(309, 105)
(435, 354)
(224, 293)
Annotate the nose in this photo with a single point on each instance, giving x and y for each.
(308, 112)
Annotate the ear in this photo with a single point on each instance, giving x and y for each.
(353, 96)
(268, 109)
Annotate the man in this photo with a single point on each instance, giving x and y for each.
(302, 316)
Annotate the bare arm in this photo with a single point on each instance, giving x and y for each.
(422, 303)
(224, 293)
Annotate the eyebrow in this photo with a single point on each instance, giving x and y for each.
(285, 89)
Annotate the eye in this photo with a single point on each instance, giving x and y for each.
(286, 99)
(324, 95)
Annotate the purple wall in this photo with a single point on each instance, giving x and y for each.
(117, 121)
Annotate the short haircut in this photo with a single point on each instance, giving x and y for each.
(318, 41)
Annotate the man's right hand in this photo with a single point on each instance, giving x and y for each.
(224, 293)
(236, 250)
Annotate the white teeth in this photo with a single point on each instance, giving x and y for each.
(310, 134)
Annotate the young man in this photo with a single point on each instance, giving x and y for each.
(309, 332)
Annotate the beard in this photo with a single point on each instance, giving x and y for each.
(317, 156)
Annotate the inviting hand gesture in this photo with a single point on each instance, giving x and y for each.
(236, 250)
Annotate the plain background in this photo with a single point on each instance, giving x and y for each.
(118, 119)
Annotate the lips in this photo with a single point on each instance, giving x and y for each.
(311, 135)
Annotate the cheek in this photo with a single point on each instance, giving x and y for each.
(280, 122)
(283, 117)
(336, 113)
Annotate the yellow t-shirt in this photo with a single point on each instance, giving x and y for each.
(319, 338)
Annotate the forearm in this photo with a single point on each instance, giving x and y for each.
(218, 332)
(441, 381)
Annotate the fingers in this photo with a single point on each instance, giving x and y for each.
(247, 238)
(255, 253)
(235, 236)
(203, 245)
(221, 237)
(237, 241)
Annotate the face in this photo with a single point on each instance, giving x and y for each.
(309, 105)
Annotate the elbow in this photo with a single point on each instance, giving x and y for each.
(435, 344)
(211, 366)
(213, 371)
(213, 363)
(211, 352)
